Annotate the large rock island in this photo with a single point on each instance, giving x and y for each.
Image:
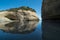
(18, 14)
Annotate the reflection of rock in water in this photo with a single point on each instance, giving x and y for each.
(51, 30)
(22, 27)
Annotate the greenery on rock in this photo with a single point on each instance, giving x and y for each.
(22, 8)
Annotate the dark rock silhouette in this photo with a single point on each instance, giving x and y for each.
(51, 20)
(51, 9)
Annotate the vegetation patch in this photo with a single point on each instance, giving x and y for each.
(22, 8)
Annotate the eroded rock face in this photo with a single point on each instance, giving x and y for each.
(4, 18)
(19, 15)
(27, 15)
(51, 9)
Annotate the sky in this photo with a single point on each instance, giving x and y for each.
(35, 4)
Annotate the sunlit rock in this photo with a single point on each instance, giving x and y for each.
(21, 13)
(27, 15)
(3, 18)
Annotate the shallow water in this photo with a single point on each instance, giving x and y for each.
(28, 30)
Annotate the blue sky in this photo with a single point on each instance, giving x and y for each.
(35, 4)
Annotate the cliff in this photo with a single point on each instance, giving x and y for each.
(51, 9)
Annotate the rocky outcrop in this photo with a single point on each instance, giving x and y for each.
(51, 9)
(4, 19)
(19, 15)
(27, 15)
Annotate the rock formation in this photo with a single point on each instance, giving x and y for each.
(51, 9)
(27, 15)
(20, 14)
(4, 19)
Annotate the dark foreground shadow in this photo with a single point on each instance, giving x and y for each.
(22, 27)
(51, 30)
